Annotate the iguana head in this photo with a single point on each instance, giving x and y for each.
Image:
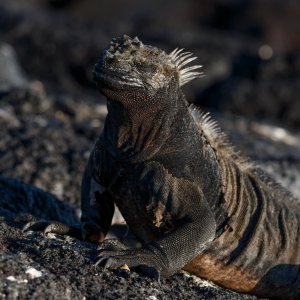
(129, 65)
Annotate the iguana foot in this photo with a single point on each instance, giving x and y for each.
(113, 254)
(53, 227)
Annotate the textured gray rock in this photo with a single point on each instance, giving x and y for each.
(11, 74)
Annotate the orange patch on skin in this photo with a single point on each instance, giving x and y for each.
(96, 237)
(208, 267)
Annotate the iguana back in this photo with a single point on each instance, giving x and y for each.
(259, 249)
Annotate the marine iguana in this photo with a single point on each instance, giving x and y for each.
(191, 199)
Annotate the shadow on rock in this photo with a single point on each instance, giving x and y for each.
(20, 198)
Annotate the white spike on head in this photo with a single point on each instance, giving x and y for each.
(181, 59)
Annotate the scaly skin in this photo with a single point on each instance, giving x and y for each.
(185, 193)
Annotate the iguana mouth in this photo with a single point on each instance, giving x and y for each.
(109, 77)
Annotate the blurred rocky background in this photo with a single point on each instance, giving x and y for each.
(51, 114)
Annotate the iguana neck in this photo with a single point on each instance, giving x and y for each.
(168, 135)
(135, 134)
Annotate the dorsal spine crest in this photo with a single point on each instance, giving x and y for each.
(218, 140)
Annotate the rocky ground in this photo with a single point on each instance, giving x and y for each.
(50, 115)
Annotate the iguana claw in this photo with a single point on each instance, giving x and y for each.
(140, 259)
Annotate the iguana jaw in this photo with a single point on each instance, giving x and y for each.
(115, 80)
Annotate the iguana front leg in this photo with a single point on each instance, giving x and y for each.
(194, 230)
